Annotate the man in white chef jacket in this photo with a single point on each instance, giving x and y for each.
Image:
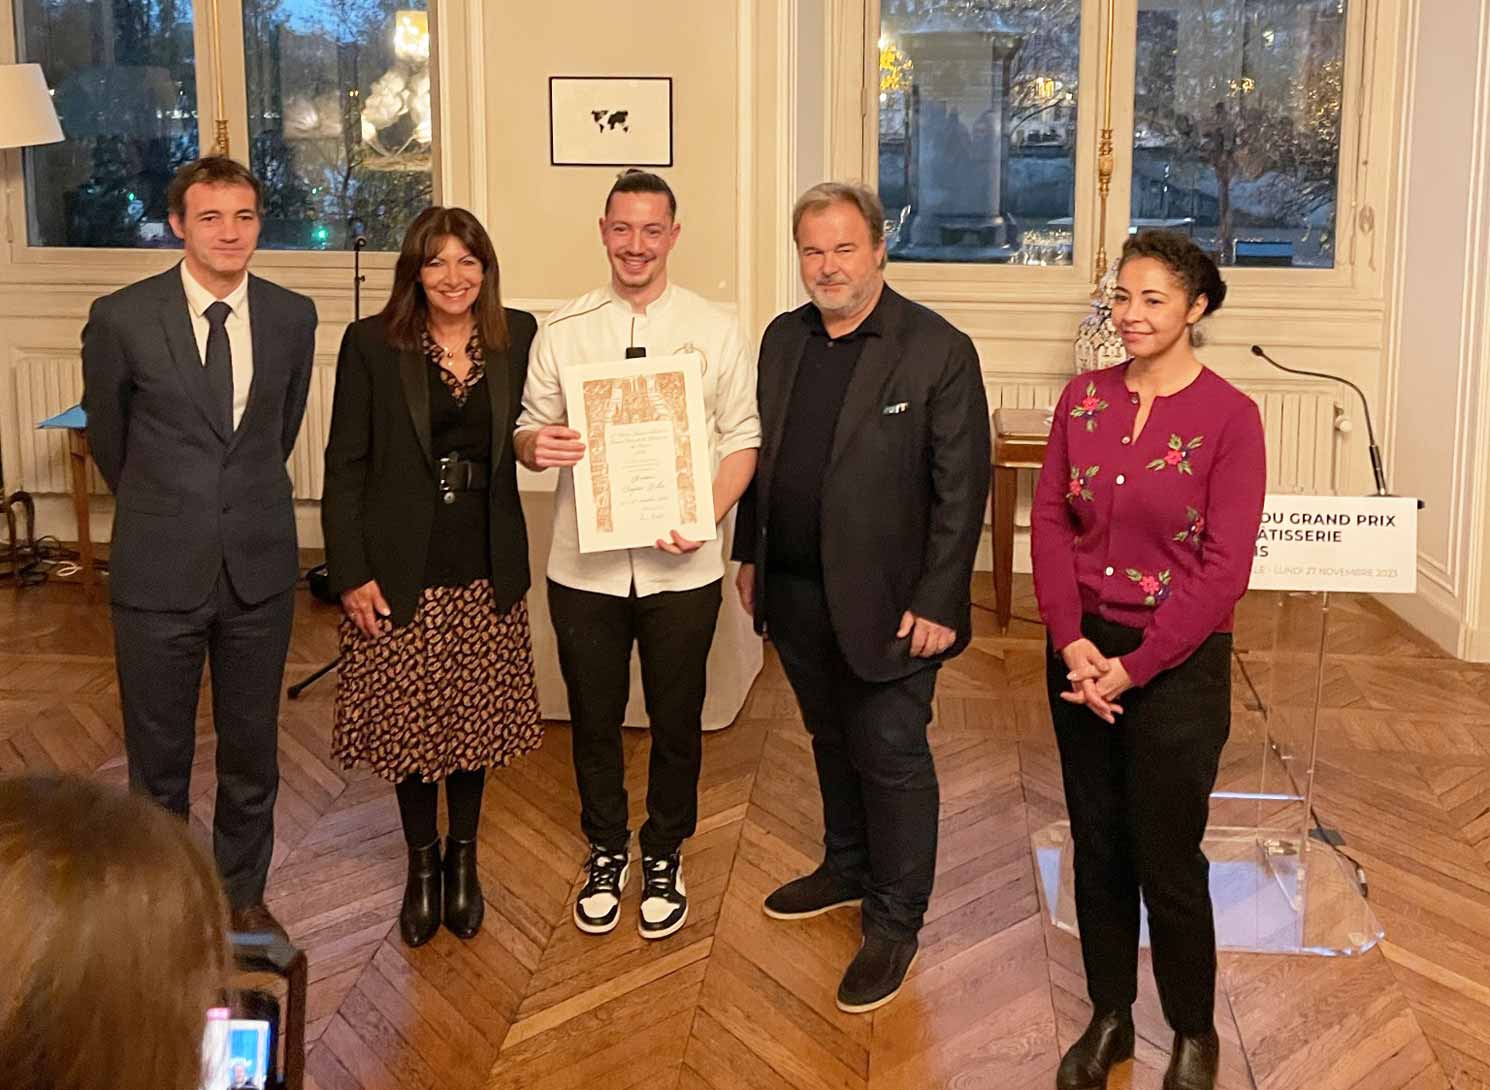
(664, 599)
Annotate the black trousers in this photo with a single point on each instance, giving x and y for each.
(673, 631)
(159, 657)
(874, 765)
(1139, 797)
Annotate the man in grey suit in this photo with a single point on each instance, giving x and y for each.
(195, 383)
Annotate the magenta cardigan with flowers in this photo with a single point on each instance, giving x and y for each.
(1156, 532)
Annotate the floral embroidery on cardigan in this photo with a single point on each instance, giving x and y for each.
(1088, 407)
(1178, 455)
(1195, 530)
(1080, 486)
(1154, 587)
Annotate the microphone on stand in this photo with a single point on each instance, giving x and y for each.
(1376, 469)
(358, 245)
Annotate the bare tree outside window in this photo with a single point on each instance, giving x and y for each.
(340, 119)
(1237, 126)
(977, 129)
(123, 80)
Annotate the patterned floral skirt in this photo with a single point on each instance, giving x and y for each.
(451, 690)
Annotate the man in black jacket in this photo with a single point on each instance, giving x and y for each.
(857, 542)
(194, 382)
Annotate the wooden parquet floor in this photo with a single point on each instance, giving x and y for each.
(739, 1002)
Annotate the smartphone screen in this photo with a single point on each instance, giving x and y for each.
(236, 1052)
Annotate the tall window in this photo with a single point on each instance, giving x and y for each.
(977, 129)
(1236, 135)
(339, 118)
(124, 83)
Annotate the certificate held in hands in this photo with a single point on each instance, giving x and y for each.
(646, 471)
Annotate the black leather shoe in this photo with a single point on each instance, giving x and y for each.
(256, 919)
(1194, 1061)
(1107, 1042)
(875, 975)
(464, 905)
(419, 918)
(812, 895)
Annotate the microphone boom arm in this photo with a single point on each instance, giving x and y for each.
(1377, 470)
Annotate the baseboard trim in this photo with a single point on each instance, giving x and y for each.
(1436, 615)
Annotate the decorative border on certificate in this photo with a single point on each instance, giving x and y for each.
(646, 471)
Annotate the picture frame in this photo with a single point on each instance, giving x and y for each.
(610, 121)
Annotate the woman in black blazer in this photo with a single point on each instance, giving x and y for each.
(425, 543)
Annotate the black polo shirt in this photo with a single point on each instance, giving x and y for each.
(823, 374)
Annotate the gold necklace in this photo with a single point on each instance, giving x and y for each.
(448, 354)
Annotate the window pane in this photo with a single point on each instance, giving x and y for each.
(339, 119)
(1236, 135)
(977, 129)
(123, 82)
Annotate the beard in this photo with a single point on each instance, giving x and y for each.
(849, 304)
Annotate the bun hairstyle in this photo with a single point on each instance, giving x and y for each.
(1186, 262)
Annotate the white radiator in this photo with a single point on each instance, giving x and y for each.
(308, 462)
(46, 385)
(1300, 424)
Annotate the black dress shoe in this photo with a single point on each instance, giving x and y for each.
(419, 918)
(875, 975)
(812, 895)
(1107, 1042)
(1194, 1061)
(256, 919)
(464, 906)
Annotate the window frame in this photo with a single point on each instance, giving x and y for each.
(1367, 123)
(57, 265)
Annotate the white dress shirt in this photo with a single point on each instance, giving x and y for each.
(240, 334)
(599, 327)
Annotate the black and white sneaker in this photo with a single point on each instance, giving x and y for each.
(664, 898)
(598, 906)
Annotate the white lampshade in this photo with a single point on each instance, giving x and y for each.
(29, 117)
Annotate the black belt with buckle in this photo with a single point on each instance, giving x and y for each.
(458, 474)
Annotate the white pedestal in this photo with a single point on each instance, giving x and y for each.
(734, 660)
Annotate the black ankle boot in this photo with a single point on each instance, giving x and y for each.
(1194, 1061)
(464, 906)
(1107, 1042)
(419, 918)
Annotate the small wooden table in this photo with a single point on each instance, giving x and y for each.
(1020, 437)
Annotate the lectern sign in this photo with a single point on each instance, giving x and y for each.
(1367, 544)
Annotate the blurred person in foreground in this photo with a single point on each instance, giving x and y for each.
(114, 944)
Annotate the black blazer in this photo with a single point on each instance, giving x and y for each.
(906, 484)
(190, 499)
(378, 502)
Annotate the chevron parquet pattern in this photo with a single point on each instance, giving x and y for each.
(735, 1001)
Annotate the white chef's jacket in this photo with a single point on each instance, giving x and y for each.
(598, 327)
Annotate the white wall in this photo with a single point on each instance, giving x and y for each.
(1438, 359)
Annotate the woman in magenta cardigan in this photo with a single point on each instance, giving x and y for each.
(1143, 528)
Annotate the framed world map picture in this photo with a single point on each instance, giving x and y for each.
(598, 121)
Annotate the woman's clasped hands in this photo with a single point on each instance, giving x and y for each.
(1096, 681)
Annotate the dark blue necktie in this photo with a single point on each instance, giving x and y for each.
(220, 363)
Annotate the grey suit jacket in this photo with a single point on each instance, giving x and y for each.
(190, 499)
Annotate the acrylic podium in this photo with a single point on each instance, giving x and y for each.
(1279, 883)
